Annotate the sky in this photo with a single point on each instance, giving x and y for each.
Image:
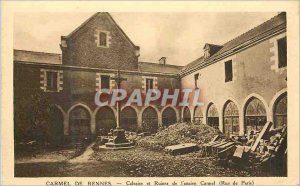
(178, 36)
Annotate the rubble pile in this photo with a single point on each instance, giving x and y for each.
(266, 149)
(177, 134)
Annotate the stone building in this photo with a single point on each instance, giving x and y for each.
(242, 82)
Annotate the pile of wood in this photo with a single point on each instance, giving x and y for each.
(264, 147)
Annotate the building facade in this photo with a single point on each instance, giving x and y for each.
(242, 83)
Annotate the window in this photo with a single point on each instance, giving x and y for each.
(228, 71)
(280, 111)
(206, 53)
(103, 39)
(196, 77)
(282, 57)
(51, 81)
(231, 119)
(255, 115)
(198, 115)
(105, 82)
(213, 116)
(149, 84)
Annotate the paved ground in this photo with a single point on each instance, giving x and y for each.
(129, 163)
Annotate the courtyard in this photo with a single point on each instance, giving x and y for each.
(147, 159)
(136, 162)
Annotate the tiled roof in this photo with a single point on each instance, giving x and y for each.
(193, 63)
(271, 24)
(159, 68)
(36, 57)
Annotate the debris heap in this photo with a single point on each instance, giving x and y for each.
(179, 133)
(266, 148)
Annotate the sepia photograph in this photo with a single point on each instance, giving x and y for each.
(150, 94)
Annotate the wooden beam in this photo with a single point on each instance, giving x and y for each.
(264, 130)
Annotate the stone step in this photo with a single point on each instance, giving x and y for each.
(182, 148)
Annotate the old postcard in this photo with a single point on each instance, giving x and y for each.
(121, 93)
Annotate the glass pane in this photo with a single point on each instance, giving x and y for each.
(255, 107)
(212, 111)
(281, 106)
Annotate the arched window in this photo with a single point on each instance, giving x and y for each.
(79, 123)
(198, 115)
(231, 119)
(105, 120)
(169, 117)
(129, 119)
(186, 115)
(150, 120)
(213, 116)
(280, 111)
(255, 115)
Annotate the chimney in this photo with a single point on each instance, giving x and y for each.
(137, 51)
(63, 43)
(162, 60)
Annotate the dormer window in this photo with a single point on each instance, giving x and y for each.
(206, 53)
(210, 50)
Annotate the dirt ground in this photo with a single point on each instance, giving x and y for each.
(136, 162)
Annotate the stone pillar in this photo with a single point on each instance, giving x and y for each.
(139, 120)
(242, 124)
(93, 123)
(66, 124)
(221, 128)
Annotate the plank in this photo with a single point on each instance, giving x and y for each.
(227, 152)
(239, 152)
(265, 129)
(220, 148)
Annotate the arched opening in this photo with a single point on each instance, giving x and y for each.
(105, 120)
(56, 127)
(213, 116)
(79, 123)
(255, 115)
(150, 120)
(231, 119)
(169, 117)
(129, 119)
(186, 115)
(198, 115)
(280, 111)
